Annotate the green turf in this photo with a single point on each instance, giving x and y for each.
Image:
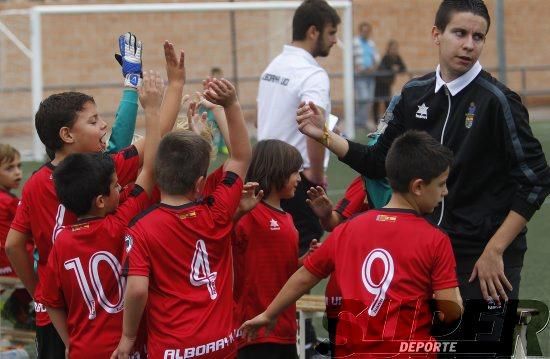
(535, 284)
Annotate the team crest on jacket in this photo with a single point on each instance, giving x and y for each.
(422, 112)
(470, 115)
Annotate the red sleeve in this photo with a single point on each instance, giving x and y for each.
(354, 199)
(137, 261)
(444, 269)
(137, 201)
(212, 181)
(52, 292)
(225, 200)
(12, 206)
(321, 262)
(127, 165)
(22, 220)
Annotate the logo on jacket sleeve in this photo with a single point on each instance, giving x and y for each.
(422, 112)
(128, 242)
(470, 115)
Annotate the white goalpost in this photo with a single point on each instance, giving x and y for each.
(37, 12)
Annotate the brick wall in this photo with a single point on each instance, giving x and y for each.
(78, 49)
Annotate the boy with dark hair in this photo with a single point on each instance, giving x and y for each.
(381, 306)
(499, 179)
(69, 123)
(179, 252)
(86, 184)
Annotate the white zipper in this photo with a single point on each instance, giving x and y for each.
(441, 141)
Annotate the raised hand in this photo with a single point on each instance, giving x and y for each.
(310, 120)
(319, 202)
(151, 90)
(197, 122)
(175, 68)
(249, 197)
(130, 59)
(220, 92)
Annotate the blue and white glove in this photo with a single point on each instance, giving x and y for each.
(130, 59)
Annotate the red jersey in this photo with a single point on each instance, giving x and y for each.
(355, 201)
(265, 255)
(83, 276)
(40, 214)
(8, 206)
(387, 263)
(186, 253)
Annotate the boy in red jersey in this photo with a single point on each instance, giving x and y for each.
(179, 252)
(389, 262)
(83, 289)
(265, 248)
(69, 123)
(10, 178)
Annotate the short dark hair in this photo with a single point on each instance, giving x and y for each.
(80, 178)
(448, 7)
(273, 161)
(182, 157)
(415, 155)
(57, 111)
(312, 12)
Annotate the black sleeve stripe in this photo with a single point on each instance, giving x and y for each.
(341, 207)
(142, 214)
(129, 152)
(136, 191)
(518, 149)
(230, 178)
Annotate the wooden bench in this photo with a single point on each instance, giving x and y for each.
(307, 307)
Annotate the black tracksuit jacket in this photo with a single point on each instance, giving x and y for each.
(498, 165)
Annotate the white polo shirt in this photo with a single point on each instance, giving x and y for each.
(292, 77)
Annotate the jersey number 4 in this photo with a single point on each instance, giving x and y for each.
(200, 270)
(378, 289)
(93, 266)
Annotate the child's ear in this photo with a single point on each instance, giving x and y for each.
(199, 184)
(416, 186)
(65, 135)
(99, 201)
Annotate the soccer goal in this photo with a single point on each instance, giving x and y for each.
(71, 47)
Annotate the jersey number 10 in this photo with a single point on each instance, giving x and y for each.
(93, 266)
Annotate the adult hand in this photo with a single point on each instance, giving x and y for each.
(489, 269)
(310, 120)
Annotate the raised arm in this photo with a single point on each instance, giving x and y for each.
(175, 71)
(222, 92)
(150, 97)
(125, 118)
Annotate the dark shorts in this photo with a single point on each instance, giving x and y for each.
(48, 343)
(306, 222)
(268, 351)
(485, 331)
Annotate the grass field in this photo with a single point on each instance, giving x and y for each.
(535, 285)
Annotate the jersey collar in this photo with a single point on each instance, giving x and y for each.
(460, 83)
(289, 49)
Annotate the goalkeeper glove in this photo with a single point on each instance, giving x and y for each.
(130, 59)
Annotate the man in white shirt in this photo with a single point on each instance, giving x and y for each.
(291, 78)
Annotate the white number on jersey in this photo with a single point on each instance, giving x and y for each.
(200, 270)
(378, 289)
(93, 265)
(60, 215)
